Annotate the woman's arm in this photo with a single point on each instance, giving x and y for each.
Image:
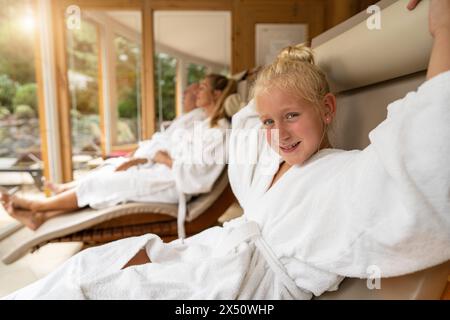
(439, 25)
(131, 163)
(163, 158)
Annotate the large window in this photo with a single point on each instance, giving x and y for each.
(188, 44)
(128, 83)
(195, 73)
(19, 114)
(83, 69)
(165, 88)
(104, 59)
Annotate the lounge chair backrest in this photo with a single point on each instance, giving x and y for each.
(233, 103)
(368, 69)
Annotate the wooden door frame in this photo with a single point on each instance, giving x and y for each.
(147, 105)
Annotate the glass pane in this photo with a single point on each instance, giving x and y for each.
(19, 114)
(188, 45)
(82, 54)
(165, 75)
(128, 84)
(195, 73)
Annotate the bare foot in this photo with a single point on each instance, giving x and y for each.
(32, 220)
(23, 203)
(5, 198)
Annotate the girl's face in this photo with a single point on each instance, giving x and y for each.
(300, 125)
(206, 97)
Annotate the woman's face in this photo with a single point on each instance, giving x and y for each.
(206, 97)
(190, 97)
(299, 124)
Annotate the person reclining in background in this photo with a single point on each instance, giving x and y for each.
(313, 217)
(147, 148)
(160, 173)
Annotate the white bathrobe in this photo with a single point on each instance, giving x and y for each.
(153, 181)
(161, 140)
(335, 216)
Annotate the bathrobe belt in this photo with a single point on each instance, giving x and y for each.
(181, 217)
(251, 231)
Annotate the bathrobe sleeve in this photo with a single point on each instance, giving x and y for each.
(148, 148)
(245, 148)
(161, 141)
(389, 207)
(196, 173)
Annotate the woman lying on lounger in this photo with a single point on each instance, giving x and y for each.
(148, 148)
(318, 215)
(158, 179)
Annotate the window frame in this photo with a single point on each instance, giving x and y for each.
(147, 105)
(108, 81)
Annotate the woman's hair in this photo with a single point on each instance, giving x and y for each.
(295, 71)
(228, 87)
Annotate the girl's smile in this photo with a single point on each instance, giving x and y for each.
(295, 127)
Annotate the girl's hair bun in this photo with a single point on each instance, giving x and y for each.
(300, 52)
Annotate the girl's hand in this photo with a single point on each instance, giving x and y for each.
(164, 158)
(439, 16)
(412, 4)
(131, 163)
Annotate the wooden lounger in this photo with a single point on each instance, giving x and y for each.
(94, 227)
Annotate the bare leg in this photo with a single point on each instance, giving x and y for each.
(58, 188)
(140, 258)
(66, 201)
(33, 213)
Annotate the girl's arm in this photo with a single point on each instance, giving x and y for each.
(440, 55)
(439, 25)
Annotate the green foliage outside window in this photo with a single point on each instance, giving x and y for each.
(19, 124)
(7, 91)
(26, 95)
(165, 75)
(128, 77)
(16, 45)
(127, 104)
(82, 53)
(196, 73)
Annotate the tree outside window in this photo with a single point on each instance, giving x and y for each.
(19, 114)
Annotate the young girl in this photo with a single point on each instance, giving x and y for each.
(164, 178)
(318, 215)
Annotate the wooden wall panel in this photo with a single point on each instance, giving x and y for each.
(247, 13)
(338, 11)
(102, 4)
(191, 4)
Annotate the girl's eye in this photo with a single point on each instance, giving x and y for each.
(267, 122)
(292, 115)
